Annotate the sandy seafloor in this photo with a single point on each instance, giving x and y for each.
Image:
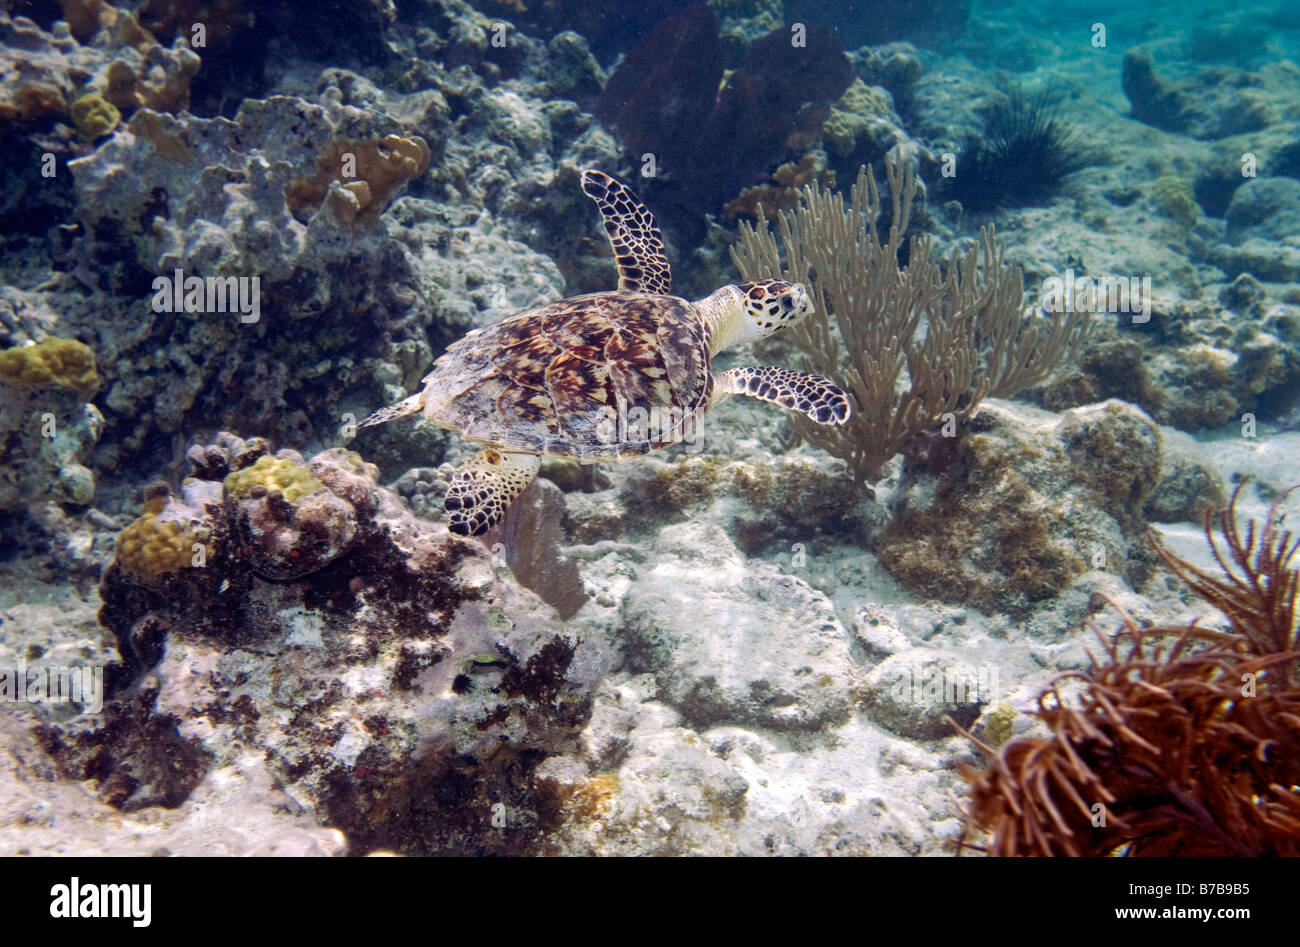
(718, 669)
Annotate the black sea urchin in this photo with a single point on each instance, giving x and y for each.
(1020, 160)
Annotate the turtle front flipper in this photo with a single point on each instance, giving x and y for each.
(820, 399)
(484, 486)
(634, 235)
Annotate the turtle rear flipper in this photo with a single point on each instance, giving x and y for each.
(394, 411)
(819, 398)
(484, 486)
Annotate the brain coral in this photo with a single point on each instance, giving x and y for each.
(63, 362)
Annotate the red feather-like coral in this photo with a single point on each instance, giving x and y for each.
(1183, 741)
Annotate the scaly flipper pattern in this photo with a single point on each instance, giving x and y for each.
(820, 399)
(634, 235)
(484, 486)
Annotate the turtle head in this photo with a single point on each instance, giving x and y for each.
(751, 311)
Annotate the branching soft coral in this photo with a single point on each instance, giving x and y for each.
(1184, 742)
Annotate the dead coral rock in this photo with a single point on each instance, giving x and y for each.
(790, 499)
(160, 82)
(1189, 485)
(137, 757)
(1198, 367)
(912, 691)
(47, 431)
(236, 810)
(1026, 505)
(1115, 450)
(399, 686)
(207, 197)
(1206, 102)
(671, 796)
(772, 653)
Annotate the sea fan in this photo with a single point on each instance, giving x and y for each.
(1185, 741)
(1025, 152)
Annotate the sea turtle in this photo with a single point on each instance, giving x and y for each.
(606, 375)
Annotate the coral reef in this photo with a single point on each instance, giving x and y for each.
(106, 64)
(1212, 102)
(1182, 741)
(345, 666)
(730, 647)
(1039, 501)
(1200, 367)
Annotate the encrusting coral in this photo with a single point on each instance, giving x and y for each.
(1183, 741)
(108, 65)
(94, 116)
(273, 473)
(66, 363)
(360, 178)
(975, 343)
(1175, 196)
(782, 192)
(158, 541)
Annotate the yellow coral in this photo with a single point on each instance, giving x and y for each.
(150, 546)
(280, 474)
(63, 362)
(375, 169)
(851, 117)
(998, 723)
(94, 116)
(1174, 195)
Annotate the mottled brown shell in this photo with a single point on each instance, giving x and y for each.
(594, 377)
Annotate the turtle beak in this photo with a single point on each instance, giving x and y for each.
(800, 303)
